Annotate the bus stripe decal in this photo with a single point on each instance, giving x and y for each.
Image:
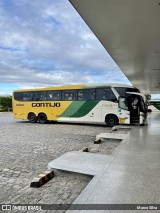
(79, 109)
(72, 108)
(85, 109)
(157, 106)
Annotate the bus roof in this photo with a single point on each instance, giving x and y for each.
(78, 86)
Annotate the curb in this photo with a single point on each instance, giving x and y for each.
(42, 179)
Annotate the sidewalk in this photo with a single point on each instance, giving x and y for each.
(131, 174)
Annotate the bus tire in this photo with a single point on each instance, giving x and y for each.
(32, 117)
(111, 120)
(42, 118)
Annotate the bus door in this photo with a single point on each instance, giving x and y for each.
(133, 107)
(136, 105)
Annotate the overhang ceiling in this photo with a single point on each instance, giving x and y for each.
(130, 32)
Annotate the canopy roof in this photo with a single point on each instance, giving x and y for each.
(130, 32)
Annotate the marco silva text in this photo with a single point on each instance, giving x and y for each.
(147, 207)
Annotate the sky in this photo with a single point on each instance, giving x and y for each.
(46, 43)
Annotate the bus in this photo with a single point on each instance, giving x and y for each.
(154, 105)
(108, 104)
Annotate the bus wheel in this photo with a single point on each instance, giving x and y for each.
(111, 120)
(32, 118)
(42, 118)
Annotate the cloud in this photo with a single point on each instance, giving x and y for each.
(44, 43)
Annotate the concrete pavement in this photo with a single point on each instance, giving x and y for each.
(131, 175)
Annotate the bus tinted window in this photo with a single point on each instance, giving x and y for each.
(53, 95)
(27, 96)
(80, 95)
(39, 96)
(86, 94)
(23, 96)
(18, 96)
(69, 95)
(105, 94)
(89, 94)
(122, 91)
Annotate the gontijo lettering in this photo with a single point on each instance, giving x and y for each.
(46, 105)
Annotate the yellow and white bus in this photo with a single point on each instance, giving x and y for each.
(107, 103)
(154, 105)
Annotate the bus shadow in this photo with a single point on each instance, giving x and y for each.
(64, 123)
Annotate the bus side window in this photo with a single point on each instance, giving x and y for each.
(89, 94)
(80, 95)
(66, 96)
(39, 96)
(101, 94)
(57, 95)
(105, 94)
(18, 96)
(92, 94)
(27, 96)
(53, 96)
(48, 96)
(69, 95)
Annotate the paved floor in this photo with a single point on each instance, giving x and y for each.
(26, 149)
(131, 175)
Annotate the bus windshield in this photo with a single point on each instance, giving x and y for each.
(122, 91)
